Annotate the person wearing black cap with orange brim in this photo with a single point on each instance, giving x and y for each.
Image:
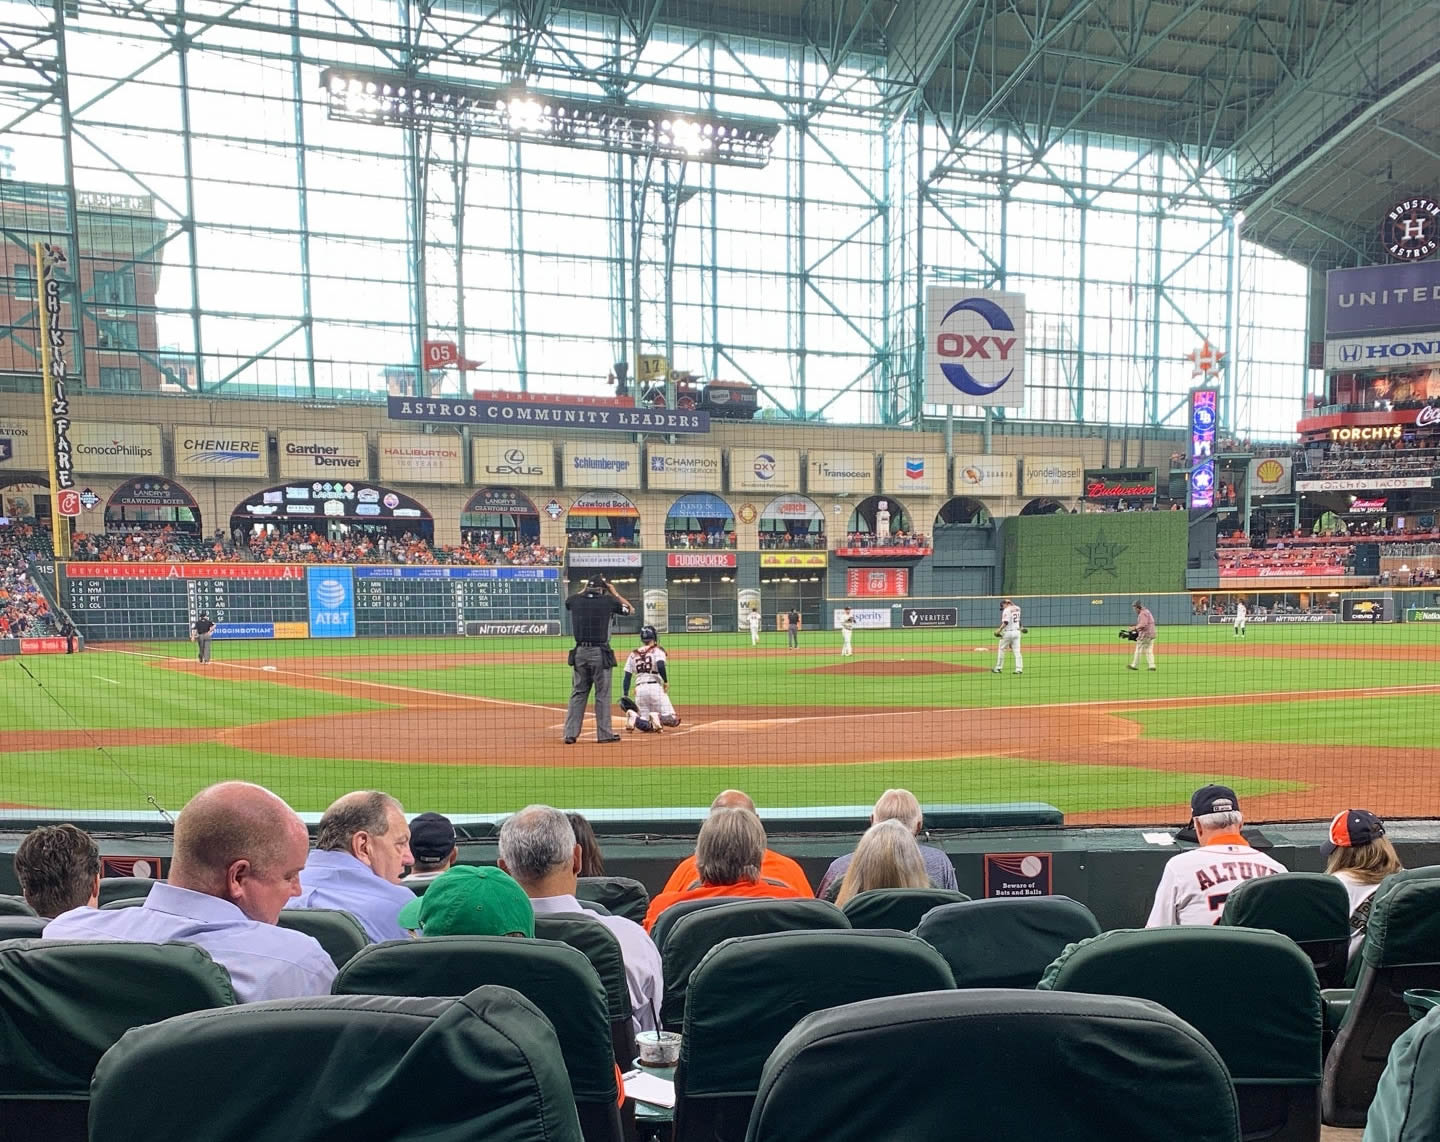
(1196, 883)
(1359, 855)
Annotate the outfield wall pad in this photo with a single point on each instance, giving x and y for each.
(1064, 554)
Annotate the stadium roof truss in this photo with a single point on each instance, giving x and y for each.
(1290, 121)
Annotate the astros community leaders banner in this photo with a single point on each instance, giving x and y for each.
(974, 346)
(22, 445)
(323, 455)
(407, 458)
(541, 413)
(764, 469)
(129, 449)
(515, 461)
(921, 474)
(985, 475)
(221, 451)
(679, 468)
(841, 472)
(601, 465)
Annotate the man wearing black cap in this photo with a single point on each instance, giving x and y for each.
(592, 660)
(1196, 883)
(432, 842)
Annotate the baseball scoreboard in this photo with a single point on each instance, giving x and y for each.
(137, 601)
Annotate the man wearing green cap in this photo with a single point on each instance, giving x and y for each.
(470, 900)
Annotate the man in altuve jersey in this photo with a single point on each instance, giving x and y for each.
(646, 665)
(1196, 883)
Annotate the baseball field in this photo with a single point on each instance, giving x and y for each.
(1302, 720)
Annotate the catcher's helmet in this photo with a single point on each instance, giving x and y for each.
(647, 634)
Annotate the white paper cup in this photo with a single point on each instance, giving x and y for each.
(659, 1048)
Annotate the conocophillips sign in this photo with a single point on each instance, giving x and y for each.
(131, 449)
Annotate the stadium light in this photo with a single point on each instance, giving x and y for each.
(385, 98)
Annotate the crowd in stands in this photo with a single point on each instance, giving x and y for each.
(1297, 560)
(585, 537)
(148, 544)
(24, 610)
(1389, 458)
(860, 540)
(701, 539)
(787, 540)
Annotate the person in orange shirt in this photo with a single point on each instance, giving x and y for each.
(775, 866)
(728, 855)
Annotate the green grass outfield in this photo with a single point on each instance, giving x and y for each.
(107, 693)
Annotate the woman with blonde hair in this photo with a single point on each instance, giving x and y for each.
(886, 857)
(1360, 856)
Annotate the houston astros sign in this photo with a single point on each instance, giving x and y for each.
(975, 347)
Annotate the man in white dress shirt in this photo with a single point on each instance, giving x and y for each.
(537, 848)
(238, 854)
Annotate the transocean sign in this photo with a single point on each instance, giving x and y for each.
(547, 414)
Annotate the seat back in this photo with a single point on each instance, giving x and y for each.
(601, 947)
(900, 908)
(63, 1004)
(915, 1066)
(1261, 1011)
(338, 932)
(696, 933)
(14, 906)
(618, 895)
(1008, 941)
(124, 887)
(748, 992)
(1402, 951)
(1311, 908)
(124, 902)
(21, 927)
(660, 930)
(1406, 1107)
(482, 1068)
(556, 978)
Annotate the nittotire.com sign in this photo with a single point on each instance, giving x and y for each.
(511, 628)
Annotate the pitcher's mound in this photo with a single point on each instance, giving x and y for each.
(876, 666)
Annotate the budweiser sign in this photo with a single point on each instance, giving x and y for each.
(1098, 489)
(1120, 483)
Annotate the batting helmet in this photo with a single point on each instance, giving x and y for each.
(648, 634)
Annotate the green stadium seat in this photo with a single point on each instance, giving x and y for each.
(556, 978)
(1311, 908)
(124, 902)
(746, 995)
(339, 933)
(981, 1063)
(64, 1003)
(899, 908)
(618, 895)
(1406, 1106)
(1006, 942)
(1424, 872)
(21, 927)
(601, 947)
(482, 1068)
(696, 933)
(1401, 951)
(14, 906)
(660, 930)
(124, 887)
(1253, 994)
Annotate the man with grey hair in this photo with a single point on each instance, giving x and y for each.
(895, 805)
(1195, 885)
(729, 855)
(361, 851)
(538, 849)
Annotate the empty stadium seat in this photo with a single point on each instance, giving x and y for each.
(1006, 942)
(1253, 994)
(1401, 951)
(696, 933)
(1311, 908)
(1406, 1106)
(339, 933)
(994, 1064)
(746, 995)
(21, 927)
(64, 1003)
(14, 906)
(601, 947)
(124, 887)
(555, 977)
(618, 895)
(482, 1068)
(899, 908)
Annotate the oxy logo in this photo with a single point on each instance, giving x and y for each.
(764, 467)
(987, 354)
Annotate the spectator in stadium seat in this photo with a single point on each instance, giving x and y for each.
(1196, 883)
(470, 900)
(361, 851)
(538, 848)
(432, 843)
(729, 855)
(58, 867)
(592, 860)
(886, 857)
(238, 854)
(1360, 856)
(776, 866)
(896, 805)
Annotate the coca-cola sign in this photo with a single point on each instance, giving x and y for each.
(1428, 417)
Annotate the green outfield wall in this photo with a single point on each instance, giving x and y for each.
(1124, 552)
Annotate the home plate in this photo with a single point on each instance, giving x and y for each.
(979, 649)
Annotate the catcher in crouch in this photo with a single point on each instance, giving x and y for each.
(650, 709)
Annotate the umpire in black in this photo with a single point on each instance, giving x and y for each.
(592, 658)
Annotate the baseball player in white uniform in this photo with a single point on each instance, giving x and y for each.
(646, 665)
(1009, 632)
(1195, 884)
(847, 632)
(754, 620)
(1241, 614)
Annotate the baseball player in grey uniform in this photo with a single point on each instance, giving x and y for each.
(646, 665)
(1009, 632)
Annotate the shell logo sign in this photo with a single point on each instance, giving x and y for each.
(1270, 471)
